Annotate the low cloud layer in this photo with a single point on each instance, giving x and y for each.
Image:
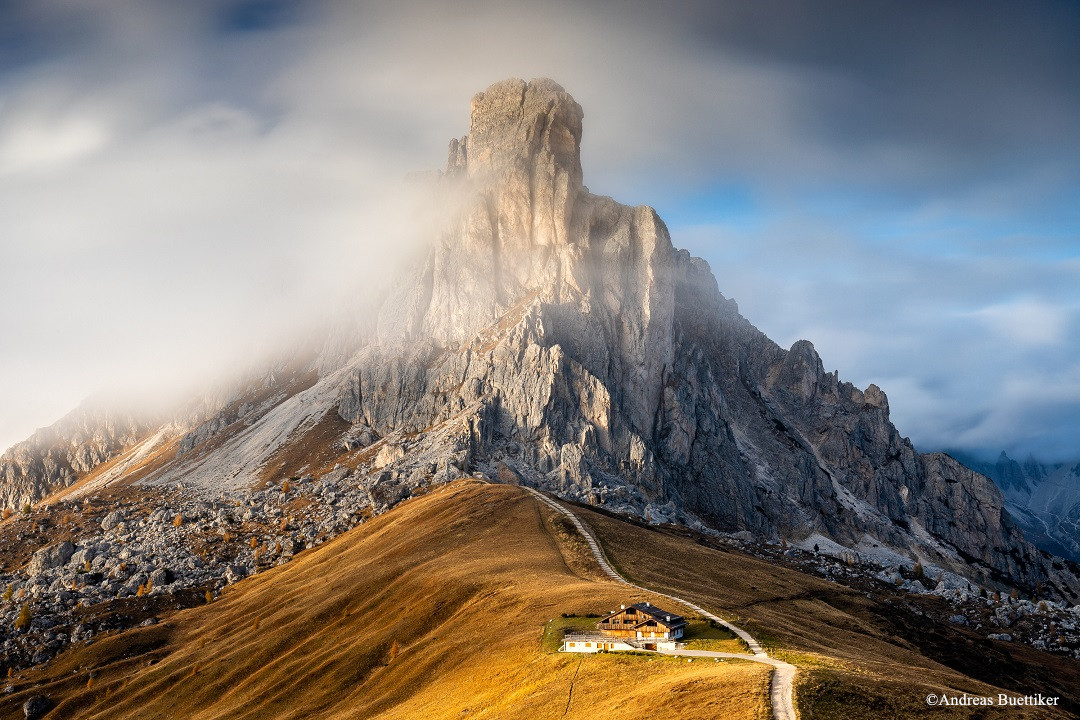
(183, 181)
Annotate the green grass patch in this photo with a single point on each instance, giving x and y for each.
(554, 631)
(702, 634)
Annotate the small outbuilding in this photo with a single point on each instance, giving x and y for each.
(595, 643)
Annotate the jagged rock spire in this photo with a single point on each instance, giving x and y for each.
(528, 232)
(525, 142)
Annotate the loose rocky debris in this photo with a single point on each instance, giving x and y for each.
(108, 563)
(103, 564)
(36, 707)
(931, 592)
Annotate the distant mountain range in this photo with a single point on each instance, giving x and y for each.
(1044, 498)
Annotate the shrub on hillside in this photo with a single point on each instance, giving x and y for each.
(23, 621)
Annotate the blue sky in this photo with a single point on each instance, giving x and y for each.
(897, 183)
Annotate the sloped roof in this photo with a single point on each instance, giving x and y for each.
(652, 612)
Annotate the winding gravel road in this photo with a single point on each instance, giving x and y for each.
(783, 678)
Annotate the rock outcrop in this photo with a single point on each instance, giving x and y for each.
(102, 431)
(54, 457)
(594, 359)
(50, 557)
(1043, 497)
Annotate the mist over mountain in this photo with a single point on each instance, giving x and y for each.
(1044, 498)
(553, 337)
(186, 180)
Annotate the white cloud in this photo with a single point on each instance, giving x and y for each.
(173, 192)
(1026, 322)
(151, 236)
(48, 126)
(46, 144)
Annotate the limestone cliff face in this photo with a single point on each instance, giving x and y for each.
(574, 348)
(528, 234)
(54, 457)
(1044, 498)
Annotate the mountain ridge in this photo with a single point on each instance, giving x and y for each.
(646, 374)
(555, 338)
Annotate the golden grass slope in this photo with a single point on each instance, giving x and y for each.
(434, 610)
(438, 609)
(858, 656)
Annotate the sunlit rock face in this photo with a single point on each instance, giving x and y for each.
(573, 348)
(553, 337)
(526, 233)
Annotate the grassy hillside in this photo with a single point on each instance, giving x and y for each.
(450, 605)
(860, 657)
(434, 610)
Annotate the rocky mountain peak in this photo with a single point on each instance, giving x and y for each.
(556, 338)
(525, 230)
(516, 184)
(573, 348)
(532, 129)
(527, 239)
(523, 153)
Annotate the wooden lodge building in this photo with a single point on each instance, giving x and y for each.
(642, 620)
(640, 626)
